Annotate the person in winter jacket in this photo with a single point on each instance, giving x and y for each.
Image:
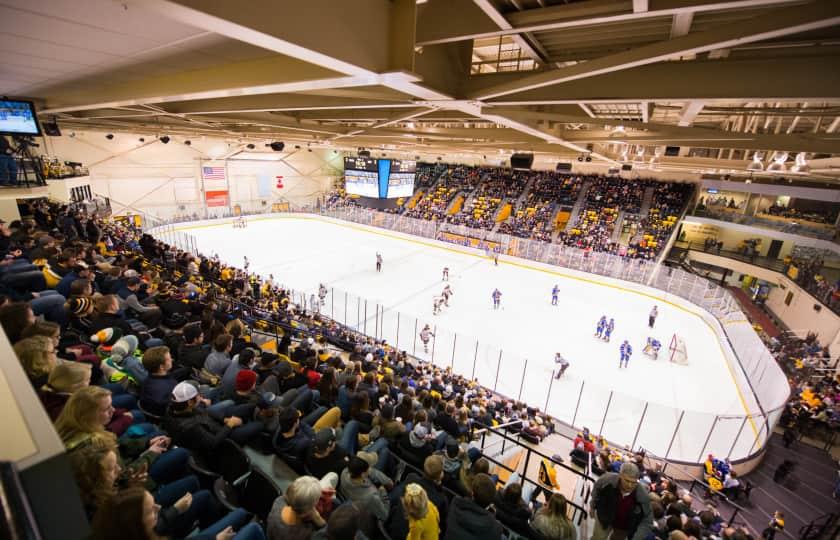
(621, 506)
(469, 518)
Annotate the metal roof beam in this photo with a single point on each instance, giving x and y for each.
(811, 78)
(588, 13)
(820, 14)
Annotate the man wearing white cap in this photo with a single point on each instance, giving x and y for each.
(201, 428)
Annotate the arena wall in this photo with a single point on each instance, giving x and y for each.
(165, 179)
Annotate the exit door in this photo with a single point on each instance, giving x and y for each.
(775, 248)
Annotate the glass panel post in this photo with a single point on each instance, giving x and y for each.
(522, 383)
(580, 395)
(641, 420)
(674, 436)
(606, 411)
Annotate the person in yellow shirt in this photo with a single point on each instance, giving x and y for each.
(423, 517)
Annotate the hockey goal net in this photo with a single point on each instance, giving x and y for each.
(678, 352)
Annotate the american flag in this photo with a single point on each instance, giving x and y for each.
(213, 173)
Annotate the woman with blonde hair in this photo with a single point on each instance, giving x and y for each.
(422, 515)
(552, 522)
(65, 379)
(37, 355)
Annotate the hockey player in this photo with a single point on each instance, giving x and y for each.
(487, 251)
(652, 347)
(602, 325)
(247, 263)
(445, 273)
(652, 316)
(378, 262)
(322, 293)
(425, 334)
(609, 329)
(626, 351)
(554, 294)
(437, 304)
(497, 298)
(496, 258)
(314, 305)
(447, 292)
(562, 365)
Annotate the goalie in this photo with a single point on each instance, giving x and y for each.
(652, 348)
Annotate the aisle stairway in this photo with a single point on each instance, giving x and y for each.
(803, 497)
(647, 200)
(580, 203)
(616, 235)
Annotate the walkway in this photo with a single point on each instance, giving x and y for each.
(756, 314)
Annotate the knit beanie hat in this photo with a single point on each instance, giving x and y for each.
(79, 305)
(245, 380)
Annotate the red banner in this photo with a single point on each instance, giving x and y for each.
(216, 198)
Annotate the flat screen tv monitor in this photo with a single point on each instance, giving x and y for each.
(18, 117)
(379, 178)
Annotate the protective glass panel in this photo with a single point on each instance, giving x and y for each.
(564, 397)
(510, 375)
(623, 418)
(486, 365)
(444, 341)
(657, 429)
(593, 405)
(538, 380)
(465, 354)
(388, 325)
(691, 436)
(408, 338)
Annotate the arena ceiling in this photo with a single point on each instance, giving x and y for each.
(722, 80)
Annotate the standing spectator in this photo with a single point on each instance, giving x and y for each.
(423, 517)
(621, 506)
(777, 524)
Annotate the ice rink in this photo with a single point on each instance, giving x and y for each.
(512, 348)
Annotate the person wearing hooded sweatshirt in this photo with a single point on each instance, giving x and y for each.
(469, 518)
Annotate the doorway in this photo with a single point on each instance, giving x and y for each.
(775, 248)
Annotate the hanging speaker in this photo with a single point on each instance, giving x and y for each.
(521, 162)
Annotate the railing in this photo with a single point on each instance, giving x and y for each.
(820, 291)
(678, 434)
(819, 527)
(579, 512)
(790, 227)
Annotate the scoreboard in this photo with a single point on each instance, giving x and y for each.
(379, 178)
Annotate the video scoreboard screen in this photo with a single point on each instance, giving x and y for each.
(379, 178)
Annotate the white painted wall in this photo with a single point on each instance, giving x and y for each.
(800, 315)
(164, 179)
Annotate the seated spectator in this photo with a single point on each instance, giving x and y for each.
(134, 511)
(327, 454)
(218, 360)
(552, 522)
(416, 445)
(512, 505)
(343, 524)
(63, 381)
(193, 353)
(156, 390)
(356, 486)
(295, 434)
(195, 426)
(107, 315)
(131, 305)
(37, 355)
(469, 518)
(14, 317)
(294, 514)
(423, 517)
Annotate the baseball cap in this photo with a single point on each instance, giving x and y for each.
(130, 274)
(284, 369)
(183, 392)
(323, 439)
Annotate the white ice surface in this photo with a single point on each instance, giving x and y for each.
(301, 253)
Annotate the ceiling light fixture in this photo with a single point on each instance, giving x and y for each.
(756, 164)
(778, 164)
(800, 164)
